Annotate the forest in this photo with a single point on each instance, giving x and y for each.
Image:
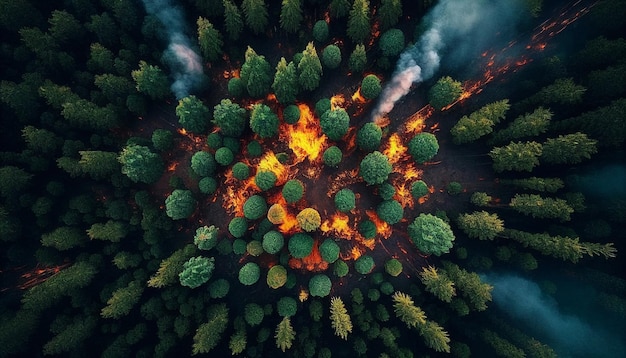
(313, 178)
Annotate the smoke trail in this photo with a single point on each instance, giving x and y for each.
(523, 300)
(184, 62)
(459, 27)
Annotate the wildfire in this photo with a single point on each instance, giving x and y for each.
(39, 275)
(342, 180)
(354, 253)
(337, 101)
(270, 163)
(236, 193)
(415, 123)
(395, 150)
(232, 73)
(172, 167)
(304, 138)
(339, 225)
(313, 262)
(382, 228)
(357, 97)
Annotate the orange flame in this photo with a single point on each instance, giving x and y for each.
(337, 101)
(39, 275)
(236, 193)
(313, 262)
(415, 123)
(172, 167)
(270, 163)
(339, 225)
(304, 138)
(358, 97)
(382, 228)
(395, 150)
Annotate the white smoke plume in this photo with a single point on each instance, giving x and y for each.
(458, 27)
(185, 63)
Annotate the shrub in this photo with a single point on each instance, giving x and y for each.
(320, 31)
(444, 92)
(431, 234)
(276, 276)
(319, 285)
(254, 149)
(345, 200)
(162, 139)
(368, 137)
(390, 211)
(322, 106)
(367, 228)
(206, 237)
(239, 247)
(386, 191)
(214, 140)
(370, 86)
(253, 314)
(293, 191)
(393, 267)
(454, 188)
(255, 207)
(286, 306)
(236, 87)
(373, 294)
(203, 164)
(335, 123)
(300, 245)
(231, 143)
(224, 156)
(219, 288)
(364, 264)
(263, 121)
(238, 227)
(249, 273)
(387, 288)
(332, 156)
(196, 271)
(254, 248)
(331, 56)
(265, 180)
(358, 59)
(291, 114)
(180, 204)
(375, 168)
(419, 189)
(309, 219)
(276, 214)
(207, 185)
(273, 242)
(423, 147)
(241, 171)
(340, 268)
(391, 42)
(329, 250)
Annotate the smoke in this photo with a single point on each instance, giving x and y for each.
(184, 62)
(569, 335)
(457, 29)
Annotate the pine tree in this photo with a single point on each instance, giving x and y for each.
(435, 336)
(256, 15)
(525, 126)
(232, 20)
(171, 267)
(481, 225)
(406, 310)
(339, 8)
(479, 123)
(210, 39)
(122, 301)
(291, 15)
(151, 80)
(238, 342)
(359, 21)
(358, 59)
(285, 84)
(549, 185)
(97, 164)
(340, 319)
(438, 283)
(256, 74)
(540, 207)
(192, 114)
(309, 68)
(284, 334)
(209, 334)
(389, 13)
(518, 156)
(469, 285)
(568, 149)
(111, 231)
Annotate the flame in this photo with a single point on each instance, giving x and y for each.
(303, 295)
(313, 262)
(182, 131)
(403, 195)
(382, 228)
(354, 253)
(270, 163)
(358, 97)
(395, 150)
(271, 97)
(415, 123)
(375, 33)
(342, 180)
(290, 224)
(339, 225)
(38, 275)
(237, 192)
(382, 121)
(304, 138)
(337, 101)
(172, 167)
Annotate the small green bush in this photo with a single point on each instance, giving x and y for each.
(309, 219)
(329, 250)
(293, 191)
(253, 314)
(320, 31)
(291, 114)
(454, 188)
(386, 191)
(231, 143)
(239, 247)
(423, 147)
(162, 139)
(196, 271)
(390, 211)
(367, 228)
(238, 227)
(332, 156)
(300, 245)
(331, 56)
(276, 276)
(241, 171)
(387, 288)
(340, 268)
(319, 285)
(391, 42)
(368, 137)
(322, 106)
(364, 264)
(287, 306)
(255, 207)
(214, 140)
(254, 149)
(375, 168)
(219, 288)
(373, 294)
(224, 156)
(370, 87)
(206, 237)
(203, 164)
(345, 200)
(236, 87)
(249, 274)
(393, 267)
(273, 242)
(207, 185)
(254, 248)
(265, 180)
(419, 189)
(335, 123)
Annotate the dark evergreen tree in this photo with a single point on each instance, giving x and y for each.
(210, 40)
(359, 21)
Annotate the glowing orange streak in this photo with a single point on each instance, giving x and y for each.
(415, 123)
(39, 275)
(236, 193)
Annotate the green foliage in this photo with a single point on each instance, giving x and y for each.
(454, 188)
(276, 276)
(265, 180)
(230, 118)
(367, 228)
(370, 86)
(322, 106)
(390, 211)
(539, 207)
(309, 219)
(501, 346)
(406, 311)
(219, 288)
(359, 21)
(171, 267)
(300, 245)
(309, 68)
(473, 290)
(435, 337)
(438, 283)
(345, 200)
(162, 139)
(562, 92)
(232, 19)
(192, 114)
(364, 264)
(431, 235)
(255, 207)
(249, 274)
(292, 191)
(209, 334)
(253, 314)
(203, 164)
(286, 85)
(320, 285)
(481, 225)
(340, 319)
(263, 121)
(210, 39)
(423, 147)
(287, 306)
(180, 204)
(207, 185)
(393, 267)
(419, 189)
(291, 114)
(237, 342)
(111, 230)
(224, 156)
(518, 156)
(339, 8)
(256, 15)
(525, 126)
(273, 242)
(254, 248)
(368, 137)
(320, 31)
(479, 123)
(329, 250)
(444, 92)
(389, 13)
(332, 156)
(331, 56)
(41, 140)
(568, 149)
(151, 80)
(386, 191)
(196, 271)
(241, 171)
(391, 42)
(358, 59)
(549, 185)
(236, 87)
(63, 238)
(375, 168)
(71, 336)
(122, 301)
(603, 124)
(340, 268)
(239, 246)
(238, 227)
(140, 164)
(284, 334)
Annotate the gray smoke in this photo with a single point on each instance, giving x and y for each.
(185, 63)
(459, 28)
(569, 335)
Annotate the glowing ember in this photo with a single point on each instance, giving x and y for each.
(313, 262)
(358, 97)
(395, 150)
(236, 193)
(337, 101)
(304, 138)
(382, 228)
(339, 225)
(172, 167)
(38, 275)
(270, 163)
